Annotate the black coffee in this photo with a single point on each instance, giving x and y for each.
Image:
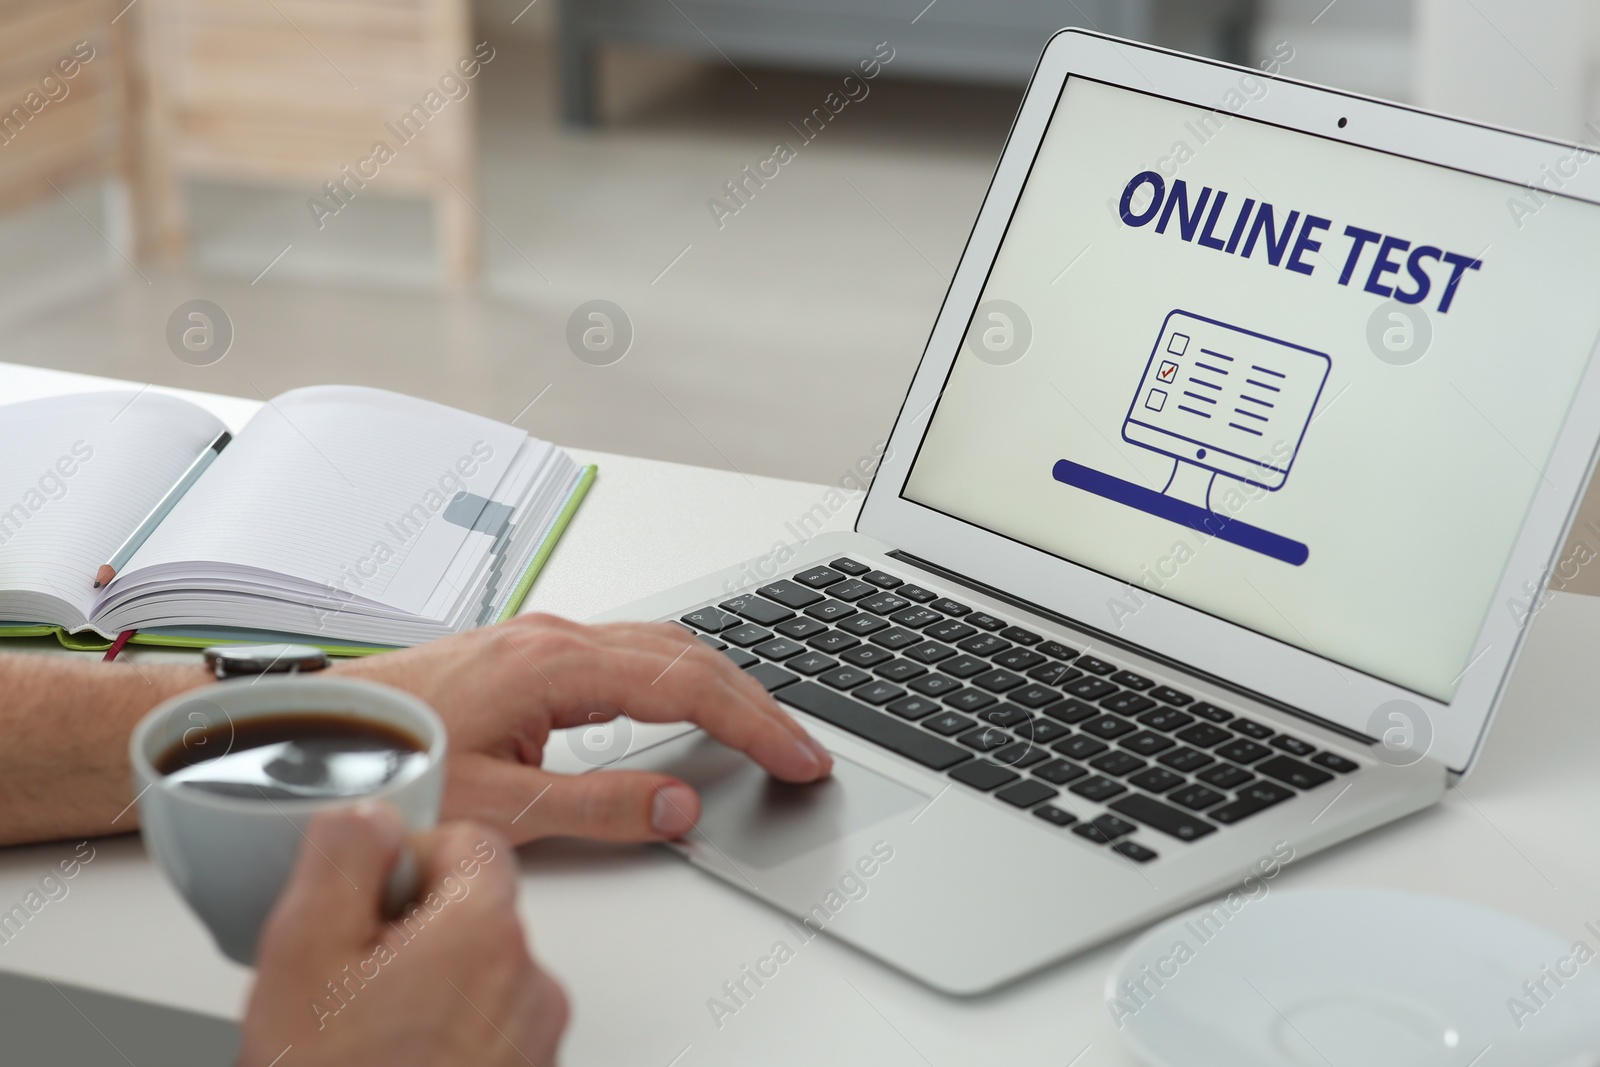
(300, 756)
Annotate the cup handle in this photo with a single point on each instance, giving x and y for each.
(404, 881)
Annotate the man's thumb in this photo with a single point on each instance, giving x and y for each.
(336, 892)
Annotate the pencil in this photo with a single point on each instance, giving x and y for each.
(108, 570)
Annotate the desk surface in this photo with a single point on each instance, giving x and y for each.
(642, 940)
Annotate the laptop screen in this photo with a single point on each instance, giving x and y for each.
(1303, 386)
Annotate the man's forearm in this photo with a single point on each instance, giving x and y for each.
(64, 728)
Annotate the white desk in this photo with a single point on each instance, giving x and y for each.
(642, 940)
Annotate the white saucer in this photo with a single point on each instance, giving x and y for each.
(1356, 978)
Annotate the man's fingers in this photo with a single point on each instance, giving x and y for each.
(529, 803)
(334, 894)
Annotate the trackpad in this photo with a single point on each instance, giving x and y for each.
(759, 821)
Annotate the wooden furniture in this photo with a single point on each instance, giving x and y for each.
(59, 96)
(299, 93)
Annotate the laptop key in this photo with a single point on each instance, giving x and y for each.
(884, 603)
(1041, 731)
(1211, 712)
(916, 617)
(1292, 745)
(811, 663)
(1335, 763)
(877, 692)
(1204, 735)
(913, 708)
(896, 637)
(844, 677)
(757, 609)
(1156, 780)
(1256, 798)
(850, 590)
(998, 681)
(936, 685)
(964, 666)
(1251, 729)
(1168, 695)
(1019, 754)
(1097, 788)
(1033, 696)
(882, 580)
(969, 699)
(984, 776)
(1054, 674)
(1057, 650)
(1094, 665)
(985, 621)
(831, 610)
(1166, 719)
(1196, 797)
(1186, 760)
(1126, 703)
(1164, 817)
(984, 645)
(1105, 829)
(1026, 794)
(790, 594)
(711, 620)
(900, 670)
(1070, 711)
(819, 577)
(867, 656)
(746, 635)
(849, 566)
(916, 593)
(929, 652)
(1107, 727)
(1225, 776)
(1054, 815)
(1117, 764)
(740, 657)
(1020, 636)
(1291, 771)
(1132, 681)
(1242, 751)
(800, 629)
(779, 648)
(947, 723)
(1080, 747)
(1089, 688)
(1147, 743)
(950, 630)
(707, 639)
(833, 641)
(1006, 715)
(1134, 851)
(874, 726)
(771, 675)
(950, 607)
(1018, 659)
(862, 625)
(1059, 771)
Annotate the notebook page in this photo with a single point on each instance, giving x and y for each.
(336, 486)
(80, 473)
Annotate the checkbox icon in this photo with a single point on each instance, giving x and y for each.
(1156, 400)
(1179, 344)
(1168, 371)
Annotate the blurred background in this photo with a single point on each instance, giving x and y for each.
(537, 156)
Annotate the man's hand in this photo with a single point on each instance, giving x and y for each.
(449, 980)
(502, 689)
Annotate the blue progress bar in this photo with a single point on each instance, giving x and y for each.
(1182, 512)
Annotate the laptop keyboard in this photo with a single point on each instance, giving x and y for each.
(1036, 724)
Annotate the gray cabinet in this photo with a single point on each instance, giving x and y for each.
(995, 41)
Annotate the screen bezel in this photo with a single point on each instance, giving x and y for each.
(1317, 685)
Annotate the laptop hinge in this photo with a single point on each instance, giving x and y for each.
(1111, 639)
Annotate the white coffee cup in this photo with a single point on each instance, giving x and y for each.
(230, 856)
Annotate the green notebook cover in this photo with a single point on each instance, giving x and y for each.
(203, 637)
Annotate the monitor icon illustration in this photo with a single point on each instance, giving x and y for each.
(1223, 402)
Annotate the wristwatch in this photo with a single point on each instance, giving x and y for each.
(245, 661)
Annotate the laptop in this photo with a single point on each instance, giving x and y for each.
(1207, 534)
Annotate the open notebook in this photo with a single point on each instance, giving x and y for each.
(345, 517)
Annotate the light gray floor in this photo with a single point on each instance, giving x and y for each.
(779, 344)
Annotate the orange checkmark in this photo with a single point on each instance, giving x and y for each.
(1167, 371)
